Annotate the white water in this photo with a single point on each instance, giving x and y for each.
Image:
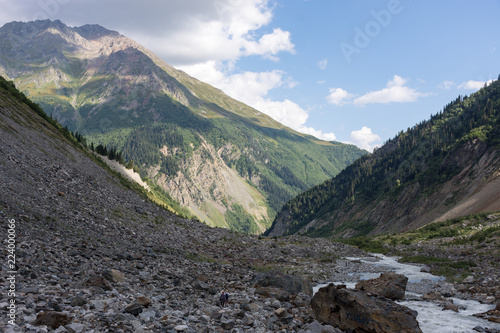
(430, 317)
(412, 272)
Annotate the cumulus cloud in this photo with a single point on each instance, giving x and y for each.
(474, 85)
(339, 96)
(365, 139)
(395, 91)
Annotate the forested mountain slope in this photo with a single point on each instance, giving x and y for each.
(231, 165)
(441, 168)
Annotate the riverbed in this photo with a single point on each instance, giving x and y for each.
(431, 317)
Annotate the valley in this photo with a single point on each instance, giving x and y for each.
(111, 89)
(134, 194)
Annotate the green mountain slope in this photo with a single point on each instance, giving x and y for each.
(442, 168)
(229, 164)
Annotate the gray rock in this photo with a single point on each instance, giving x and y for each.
(290, 283)
(227, 324)
(78, 301)
(75, 328)
(134, 308)
(354, 310)
(390, 285)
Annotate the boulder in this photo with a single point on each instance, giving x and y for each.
(290, 283)
(316, 327)
(97, 281)
(200, 285)
(272, 292)
(227, 323)
(450, 307)
(52, 319)
(389, 285)
(144, 301)
(355, 310)
(433, 296)
(75, 328)
(134, 308)
(113, 275)
(78, 301)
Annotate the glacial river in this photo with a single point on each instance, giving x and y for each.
(430, 317)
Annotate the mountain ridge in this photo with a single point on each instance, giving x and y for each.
(442, 168)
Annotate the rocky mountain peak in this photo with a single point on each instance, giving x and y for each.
(95, 31)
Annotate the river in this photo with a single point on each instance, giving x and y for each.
(431, 317)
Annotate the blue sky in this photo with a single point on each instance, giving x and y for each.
(352, 71)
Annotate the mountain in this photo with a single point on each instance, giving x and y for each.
(229, 164)
(93, 254)
(442, 168)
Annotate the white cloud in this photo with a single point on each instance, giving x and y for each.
(365, 139)
(339, 96)
(474, 85)
(226, 36)
(447, 85)
(269, 45)
(323, 63)
(252, 88)
(395, 91)
(181, 32)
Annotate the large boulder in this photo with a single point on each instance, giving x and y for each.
(355, 310)
(291, 283)
(390, 285)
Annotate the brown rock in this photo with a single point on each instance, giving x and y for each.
(390, 285)
(492, 315)
(355, 310)
(280, 312)
(52, 319)
(113, 275)
(433, 296)
(97, 281)
(144, 301)
(271, 292)
(450, 306)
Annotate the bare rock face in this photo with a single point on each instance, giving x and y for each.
(354, 310)
(389, 285)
